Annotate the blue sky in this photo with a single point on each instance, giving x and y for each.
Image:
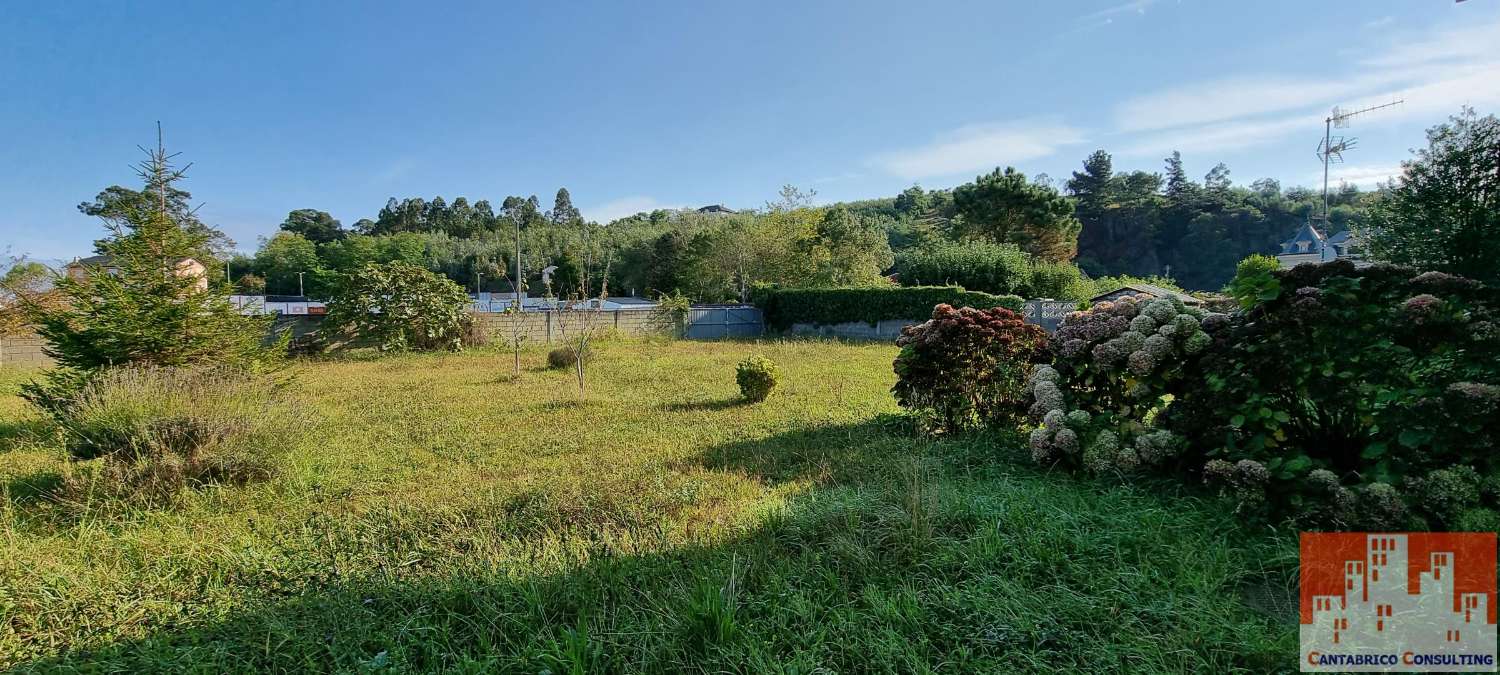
(633, 106)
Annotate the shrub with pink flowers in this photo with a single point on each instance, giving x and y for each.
(967, 367)
(1360, 397)
(1115, 369)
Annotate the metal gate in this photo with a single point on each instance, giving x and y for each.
(712, 322)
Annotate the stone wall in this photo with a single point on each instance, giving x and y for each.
(23, 350)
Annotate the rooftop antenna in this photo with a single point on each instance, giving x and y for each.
(1331, 150)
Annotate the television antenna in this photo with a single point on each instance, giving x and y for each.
(1332, 149)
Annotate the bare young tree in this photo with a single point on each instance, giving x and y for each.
(579, 321)
(517, 325)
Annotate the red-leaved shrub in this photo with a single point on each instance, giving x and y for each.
(967, 367)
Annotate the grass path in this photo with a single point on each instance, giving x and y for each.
(440, 516)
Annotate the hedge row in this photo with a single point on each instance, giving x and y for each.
(786, 306)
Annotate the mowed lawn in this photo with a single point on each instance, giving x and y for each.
(439, 516)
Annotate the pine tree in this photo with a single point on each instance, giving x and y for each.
(148, 306)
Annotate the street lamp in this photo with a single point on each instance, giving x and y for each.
(299, 287)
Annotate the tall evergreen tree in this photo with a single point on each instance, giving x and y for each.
(1004, 207)
(563, 211)
(150, 308)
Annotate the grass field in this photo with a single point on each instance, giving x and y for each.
(439, 516)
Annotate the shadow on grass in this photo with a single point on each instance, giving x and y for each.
(34, 488)
(696, 406)
(827, 453)
(874, 569)
(15, 432)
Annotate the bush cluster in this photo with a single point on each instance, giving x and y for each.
(783, 307)
(757, 377)
(400, 306)
(1357, 397)
(1115, 367)
(566, 356)
(991, 268)
(967, 367)
(158, 430)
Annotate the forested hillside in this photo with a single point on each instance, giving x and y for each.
(1001, 233)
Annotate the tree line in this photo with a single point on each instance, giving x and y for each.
(1027, 235)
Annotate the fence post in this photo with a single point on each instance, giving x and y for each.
(549, 326)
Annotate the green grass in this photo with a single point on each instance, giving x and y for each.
(438, 516)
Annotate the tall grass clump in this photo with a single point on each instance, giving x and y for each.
(157, 430)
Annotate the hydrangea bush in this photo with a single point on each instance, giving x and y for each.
(967, 367)
(1354, 397)
(1115, 368)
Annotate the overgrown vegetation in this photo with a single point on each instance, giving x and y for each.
(651, 527)
(157, 430)
(1115, 367)
(397, 307)
(1345, 391)
(966, 368)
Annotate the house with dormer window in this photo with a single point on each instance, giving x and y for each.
(1309, 245)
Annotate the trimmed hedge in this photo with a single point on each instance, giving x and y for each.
(786, 306)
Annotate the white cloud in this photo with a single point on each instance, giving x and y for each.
(1365, 176)
(1236, 98)
(1133, 7)
(1232, 135)
(625, 206)
(1435, 75)
(979, 147)
(1463, 43)
(1380, 23)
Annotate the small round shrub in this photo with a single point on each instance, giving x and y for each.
(966, 368)
(757, 376)
(566, 356)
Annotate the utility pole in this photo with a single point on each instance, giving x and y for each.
(516, 285)
(478, 283)
(300, 293)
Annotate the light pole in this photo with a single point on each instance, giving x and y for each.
(299, 287)
(478, 283)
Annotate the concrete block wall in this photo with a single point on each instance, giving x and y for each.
(23, 350)
(547, 327)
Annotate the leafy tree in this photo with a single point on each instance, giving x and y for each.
(1444, 212)
(566, 279)
(563, 211)
(848, 250)
(1004, 207)
(115, 206)
(317, 226)
(400, 306)
(791, 198)
(153, 310)
(251, 284)
(26, 284)
(282, 257)
(913, 202)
